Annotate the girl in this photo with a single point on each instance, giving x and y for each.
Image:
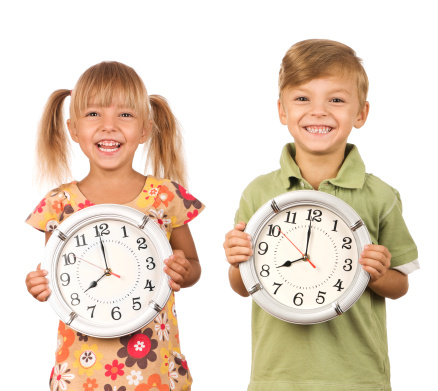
(110, 115)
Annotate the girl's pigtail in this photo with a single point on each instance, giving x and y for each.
(165, 152)
(53, 146)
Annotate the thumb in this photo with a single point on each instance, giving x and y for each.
(39, 266)
(241, 225)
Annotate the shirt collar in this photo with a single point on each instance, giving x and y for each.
(350, 176)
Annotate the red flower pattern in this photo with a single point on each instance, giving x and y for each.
(114, 370)
(86, 205)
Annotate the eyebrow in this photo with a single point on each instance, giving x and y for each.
(337, 90)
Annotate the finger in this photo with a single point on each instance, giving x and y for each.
(239, 251)
(237, 242)
(37, 281)
(374, 274)
(178, 278)
(174, 286)
(377, 256)
(44, 295)
(178, 254)
(38, 289)
(241, 225)
(37, 274)
(378, 248)
(236, 259)
(39, 266)
(237, 234)
(176, 266)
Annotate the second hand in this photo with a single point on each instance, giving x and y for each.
(101, 268)
(304, 256)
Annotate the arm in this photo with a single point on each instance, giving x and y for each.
(238, 249)
(183, 266)
(386, 282)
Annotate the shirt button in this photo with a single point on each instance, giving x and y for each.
(302, 184)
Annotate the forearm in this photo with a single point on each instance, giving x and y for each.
(236, 281)
(195, 273)
(392, 284)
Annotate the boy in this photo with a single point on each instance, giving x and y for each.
(323, 89)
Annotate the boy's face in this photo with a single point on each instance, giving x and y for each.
(321, 114)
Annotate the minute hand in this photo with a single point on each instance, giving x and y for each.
(103, 251)
(308, 236)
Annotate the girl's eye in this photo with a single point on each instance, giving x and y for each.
(92, 114)
(337, 100)
(301, 99)
(126, 115)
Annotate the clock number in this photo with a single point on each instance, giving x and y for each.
(265, 249)
(142, 244)
(115, 313)
(66, 279)
(316, 215)
(278, 287)
(92, 311)
(347, 242)
(125, 235)
(149, 286)
(136, 305)
(348, 266)
(75, 299)
(274, 230)
(69, 259)
(336, 224)
(150, 263)
(78, 242)
(265, 271)
(321, 299)
(338, 285)
(104, 230)
(298, 299)
(288, 217)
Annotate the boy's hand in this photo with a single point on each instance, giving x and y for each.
(178, 268)
(37, 284)
(237, 245)
(376, 260)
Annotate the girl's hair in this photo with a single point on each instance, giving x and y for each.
(314, 58)
(99, 85)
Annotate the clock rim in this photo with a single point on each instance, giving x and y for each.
(255, 287)
(76, 222)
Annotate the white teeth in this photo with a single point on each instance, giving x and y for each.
(108, 144)
(318, 129)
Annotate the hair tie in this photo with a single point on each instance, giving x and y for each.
(71, 92)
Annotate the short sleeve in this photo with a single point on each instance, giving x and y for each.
(50, 211)
(395, 236)
(183, 207)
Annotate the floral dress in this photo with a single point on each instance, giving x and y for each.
(148, 359)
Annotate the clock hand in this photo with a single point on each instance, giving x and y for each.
(308, 235)
(103, 250)
(94, 283)
(101, 268)
(289, 263)
(304, 256)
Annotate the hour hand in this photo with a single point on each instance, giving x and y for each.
(289, 263)
(93, 284)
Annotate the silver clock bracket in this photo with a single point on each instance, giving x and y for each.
(255, 288)
(73, 316)
(337, 308)
(144, 222)
(356, 225)
(275, 207)
(60, 234)
(155, 306)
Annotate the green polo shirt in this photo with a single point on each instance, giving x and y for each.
(349, 352)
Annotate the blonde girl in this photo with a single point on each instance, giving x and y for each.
(110, 115)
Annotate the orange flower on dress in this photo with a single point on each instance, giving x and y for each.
(164, 197)
(90, 384)
(58, 206)
(66, 337)
(154, 382)
(150, 192)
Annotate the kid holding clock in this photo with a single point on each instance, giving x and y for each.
(323, 88)
(111, 114)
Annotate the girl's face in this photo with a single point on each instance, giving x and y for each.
(109, 136)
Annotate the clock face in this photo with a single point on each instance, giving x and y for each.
(107, 272)
(305, 267)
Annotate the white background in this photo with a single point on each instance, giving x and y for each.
(217, 63)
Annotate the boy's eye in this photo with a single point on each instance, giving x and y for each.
(337, 100)
(301, 99)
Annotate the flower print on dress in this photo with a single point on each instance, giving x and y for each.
(191, 216)
(61, 377)
(171, 309)
(187, 198)
(138, 348)
(150, 191)
(115, 369)
(66, 337)
(182, 363)
(153, 383)
(49, 222)
(84, 205)
(90, 384)
(164, 196)
(82, 337)
(173, 375)
(88, 359)
(160, 218)
(134, 378)
(109, 387)
(40, 206)
(162, 327)
(165, 356)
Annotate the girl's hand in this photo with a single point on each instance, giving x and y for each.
(37, 284)
(376, 260)
(178, 268)
(237, 245)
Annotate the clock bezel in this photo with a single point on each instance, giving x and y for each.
(254, 285)
(66, 231)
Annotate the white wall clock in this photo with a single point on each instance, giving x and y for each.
(105, 270)
(305, 267)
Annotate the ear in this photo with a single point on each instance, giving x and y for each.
(281, 112)
(362, 116)
(72, 131)
(146, 132)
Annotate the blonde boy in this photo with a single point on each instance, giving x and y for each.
(323, 89)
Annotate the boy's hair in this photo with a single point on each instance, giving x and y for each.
(99, 84)
(314, 58)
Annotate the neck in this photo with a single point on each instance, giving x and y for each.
(318, 168)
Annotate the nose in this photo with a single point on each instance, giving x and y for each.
(318, 109)
(108, 123)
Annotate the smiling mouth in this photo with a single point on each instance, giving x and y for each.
(318, 129)
(108, 146)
